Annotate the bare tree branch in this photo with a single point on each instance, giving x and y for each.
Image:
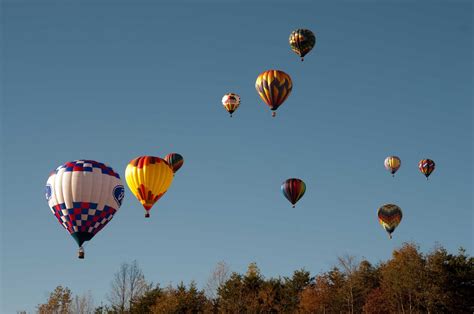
(128, 284)
(218, 277)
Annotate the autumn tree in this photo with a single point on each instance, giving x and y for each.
(365, 279)
(450, 282)
(328, 294)
(182, 300)
(231, 296)
(59, 302)
(404, 279)
(292, 289)
(144, 304)
(252, 282)
(376, 302)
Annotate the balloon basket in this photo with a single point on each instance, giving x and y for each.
(274, 114)
(147, 215)
(80, 253)
(293, 206)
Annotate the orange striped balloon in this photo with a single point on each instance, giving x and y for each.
(274, 87)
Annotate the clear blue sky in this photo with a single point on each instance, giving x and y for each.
(112, 80)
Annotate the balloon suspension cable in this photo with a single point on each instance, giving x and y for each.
(274, 114)
(80, 253)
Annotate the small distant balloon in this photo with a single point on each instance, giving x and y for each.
(293, 189)
(231, 102)
(426, 166)
(175, 160)
(390, 216)
(274, 87)
(392, 164)
(302, 41)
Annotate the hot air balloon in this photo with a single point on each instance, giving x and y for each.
(293, 189)
(426, 166)
(175, 160)
(84, 195)
(231, 102)
(302, 41)
(148, 178)
(390, 216)
(273, 86)
(392, 164)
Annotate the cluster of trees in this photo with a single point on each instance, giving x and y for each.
(410, 282)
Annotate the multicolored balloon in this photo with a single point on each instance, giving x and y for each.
(231, 102)
(392, 164)
(148, 178)
(175, 160)
(390, 216)
(274, 86)
(293, 189)
(302, 41)
(84, 195)
(426, 166)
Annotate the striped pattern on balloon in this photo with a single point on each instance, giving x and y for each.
(293, 189)
(390, 216)
(274, 87)
(392, 164)
(175, 160)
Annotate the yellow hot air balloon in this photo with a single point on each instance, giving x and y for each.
(148, 178)
(273, 86)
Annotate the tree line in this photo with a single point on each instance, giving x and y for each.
(409, 282)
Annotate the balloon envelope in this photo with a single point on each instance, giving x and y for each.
(426, 166)
(148, 178)
(231, 102)
(274, 87)
(84, 195)
(390, 216)
(302, 41)
(293, 189)
(392, 164)
(175, 160)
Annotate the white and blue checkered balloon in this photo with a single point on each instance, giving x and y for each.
(84, 195)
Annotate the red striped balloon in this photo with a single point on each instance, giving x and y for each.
(175, 160)
(293, 189)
